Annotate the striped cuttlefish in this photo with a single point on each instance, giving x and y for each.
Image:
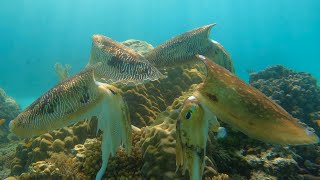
(83, 96)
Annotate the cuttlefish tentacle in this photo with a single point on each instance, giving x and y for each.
(77, 98)
(120, 63)
(248, 110)
(192, 133)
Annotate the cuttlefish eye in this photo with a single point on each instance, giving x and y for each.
(190, 111)
(188, 115)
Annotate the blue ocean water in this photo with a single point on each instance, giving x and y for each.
(36, 34)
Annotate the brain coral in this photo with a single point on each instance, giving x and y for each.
(296, 92)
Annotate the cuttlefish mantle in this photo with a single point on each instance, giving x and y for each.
(248, 110)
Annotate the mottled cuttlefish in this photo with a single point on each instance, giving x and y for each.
(82, 96)
(120, 63)
(238, 104)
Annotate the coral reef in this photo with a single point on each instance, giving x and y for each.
(7, 154)
(42, 147)
(9, 109)
(299, 94)
(122, 165)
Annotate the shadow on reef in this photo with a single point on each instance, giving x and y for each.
(75, 152)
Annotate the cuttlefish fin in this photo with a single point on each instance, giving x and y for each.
(181, 49)
(114, 121)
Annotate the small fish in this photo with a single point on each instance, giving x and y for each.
(2, 121)
(192, 128)
(120, 63)
(77, 98)
(182, 49)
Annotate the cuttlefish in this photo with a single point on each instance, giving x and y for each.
(227, 97)
(81, 96)
(120, 63)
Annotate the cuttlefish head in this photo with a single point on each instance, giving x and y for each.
(192, 134)
(245, 108)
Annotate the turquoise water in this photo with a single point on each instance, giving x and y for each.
(36, 34)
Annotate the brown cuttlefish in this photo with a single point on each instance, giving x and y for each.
(238, 104)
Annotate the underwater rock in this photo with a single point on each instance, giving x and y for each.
(297, 92)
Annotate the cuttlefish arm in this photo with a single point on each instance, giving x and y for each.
(192, 133)
(248, 110)
(114, 121)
